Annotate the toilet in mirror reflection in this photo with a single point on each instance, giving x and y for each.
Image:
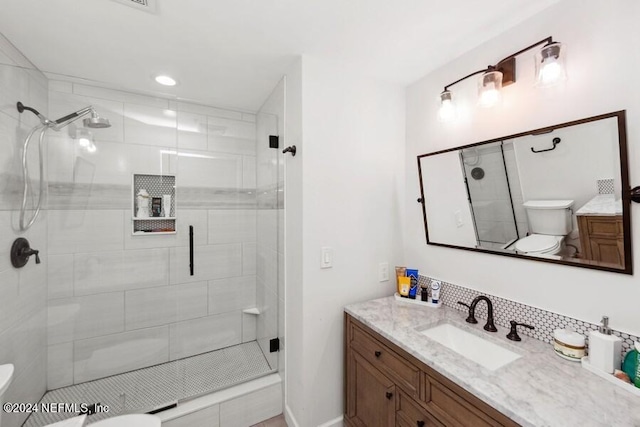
(549, 224)
(554, 194)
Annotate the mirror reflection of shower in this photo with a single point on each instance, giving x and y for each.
(94, 121)
(490, 194)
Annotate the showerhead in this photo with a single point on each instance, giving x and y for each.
(96, 122)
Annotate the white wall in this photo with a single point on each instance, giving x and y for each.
(603, 74)
(293, 342)
(352, 171)
(586, 153)
(22, 291)
(447, 200)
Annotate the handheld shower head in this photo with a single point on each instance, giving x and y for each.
(96, 122)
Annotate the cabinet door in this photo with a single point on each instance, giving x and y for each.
(370, 395)
(607, 250)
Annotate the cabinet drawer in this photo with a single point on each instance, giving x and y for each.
(410, 414)
(403, 373)
(604, 226)
(452, 410)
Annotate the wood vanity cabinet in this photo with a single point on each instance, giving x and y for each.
(602, 238)
(386, 387)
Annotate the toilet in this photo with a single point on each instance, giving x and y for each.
(6, 375)
(549, 222)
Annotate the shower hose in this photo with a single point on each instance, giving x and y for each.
(25, 225)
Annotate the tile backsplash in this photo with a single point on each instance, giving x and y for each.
(545, 322)
(605, 186)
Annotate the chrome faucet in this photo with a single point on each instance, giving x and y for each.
(490, 326)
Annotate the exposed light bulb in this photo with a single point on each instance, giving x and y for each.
(91, 148)
(550, 72)
(489, 97)
(550, 68)
(489, 87)
(447, 111)
(84, 142)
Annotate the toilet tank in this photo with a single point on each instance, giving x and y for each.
(552, 217)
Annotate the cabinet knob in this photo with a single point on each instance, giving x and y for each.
(389, 395)
(420, 423)
(378, 353)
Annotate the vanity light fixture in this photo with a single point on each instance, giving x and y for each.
(550, 68)
(447, 110)
(549, 71)
(489, 87)
(165, 80)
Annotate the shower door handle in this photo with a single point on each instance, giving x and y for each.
(191, 250)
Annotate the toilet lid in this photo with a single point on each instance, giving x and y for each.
(537, 243)
(134, 420)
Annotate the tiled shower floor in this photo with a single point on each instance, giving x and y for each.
(150, 388)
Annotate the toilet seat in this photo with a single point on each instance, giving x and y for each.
(133, 420)
(539, 244)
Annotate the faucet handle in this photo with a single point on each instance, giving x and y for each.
(471, 317)
(513, 334)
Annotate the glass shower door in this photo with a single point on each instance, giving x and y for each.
(489, 195)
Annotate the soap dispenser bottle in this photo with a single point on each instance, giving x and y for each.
(604, 348)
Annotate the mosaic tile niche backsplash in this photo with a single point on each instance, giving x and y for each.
(545, 322)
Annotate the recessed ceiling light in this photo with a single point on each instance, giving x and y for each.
(165, 80)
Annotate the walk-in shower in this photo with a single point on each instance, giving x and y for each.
(94, 122)
(494, 194)
(117, 317)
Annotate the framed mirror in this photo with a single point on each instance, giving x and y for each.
(559, 194)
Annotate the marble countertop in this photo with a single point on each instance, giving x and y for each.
(538, 389)
(602, 204)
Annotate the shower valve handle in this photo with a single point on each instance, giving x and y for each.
(29, 252)
(21, 251)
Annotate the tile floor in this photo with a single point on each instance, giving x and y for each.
(273, 422)
(156, 386)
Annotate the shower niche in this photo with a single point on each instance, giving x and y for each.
(153, 209)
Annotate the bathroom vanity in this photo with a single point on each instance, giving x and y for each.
(601, 230)
(396, 376)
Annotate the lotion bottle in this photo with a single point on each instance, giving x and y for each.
(604, 348)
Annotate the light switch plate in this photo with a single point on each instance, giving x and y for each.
(326, 260)
(383, 272)
(458, 217)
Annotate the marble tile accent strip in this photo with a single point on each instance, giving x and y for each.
(545, 322)
(269, 196)
(78, 196)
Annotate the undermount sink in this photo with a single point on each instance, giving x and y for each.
(486, 353)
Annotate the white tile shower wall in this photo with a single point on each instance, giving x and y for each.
(504, 310)
(111, 293)
(23, 322)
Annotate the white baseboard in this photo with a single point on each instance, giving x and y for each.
(289, 418)
(292, 422)
(336, 422)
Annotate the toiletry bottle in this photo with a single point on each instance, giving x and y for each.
(605, 348)
(435, 291)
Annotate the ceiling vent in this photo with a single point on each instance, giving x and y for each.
(144, 5)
